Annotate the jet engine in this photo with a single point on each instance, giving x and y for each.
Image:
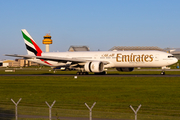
(125, 69)
(95, 67)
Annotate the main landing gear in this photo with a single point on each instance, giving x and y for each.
(86, 73)
(82, 73)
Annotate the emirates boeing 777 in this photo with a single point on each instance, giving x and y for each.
(96, 61)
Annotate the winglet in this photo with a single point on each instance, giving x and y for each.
(31, 46)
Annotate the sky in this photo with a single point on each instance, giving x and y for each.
(98, 24)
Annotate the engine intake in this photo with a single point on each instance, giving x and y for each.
(94, 67)
(125, 69)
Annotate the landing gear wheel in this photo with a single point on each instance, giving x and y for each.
(162, 73)
(82, 73)
(85, 73)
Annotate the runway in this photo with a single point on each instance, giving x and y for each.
(91, 75)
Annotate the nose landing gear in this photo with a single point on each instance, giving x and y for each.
(163, 73)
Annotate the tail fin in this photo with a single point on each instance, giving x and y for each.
(31, 46)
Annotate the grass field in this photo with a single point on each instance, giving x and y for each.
(159, 96)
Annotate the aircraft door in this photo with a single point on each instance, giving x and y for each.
(156, 57)
(96, 56)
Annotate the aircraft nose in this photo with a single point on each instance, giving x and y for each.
(172, 61)
(176, 60)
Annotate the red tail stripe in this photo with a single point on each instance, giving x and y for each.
(39, 51)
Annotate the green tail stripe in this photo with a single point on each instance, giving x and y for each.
(27, 38)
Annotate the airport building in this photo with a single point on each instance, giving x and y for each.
(124, 48)
(78, 48)
(17, 63)
(47, 41)
(175, 52)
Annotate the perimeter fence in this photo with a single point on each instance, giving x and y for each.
(51, 112)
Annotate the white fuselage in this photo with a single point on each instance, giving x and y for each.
(139, 58)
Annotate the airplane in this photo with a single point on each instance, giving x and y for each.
(95, 61)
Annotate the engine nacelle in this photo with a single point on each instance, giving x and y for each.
(125, 69)
(95, 67)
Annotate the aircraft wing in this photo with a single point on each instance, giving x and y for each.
(24, 56)
(63, 59)
(57, 59)
(60, 59)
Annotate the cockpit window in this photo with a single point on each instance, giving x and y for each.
(170, 56)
